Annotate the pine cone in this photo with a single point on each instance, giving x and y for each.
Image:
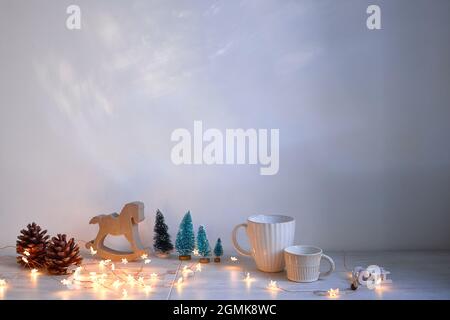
(61, 254)
(31, 246)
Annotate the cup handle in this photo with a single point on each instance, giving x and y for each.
(235, 243)
(332, 266)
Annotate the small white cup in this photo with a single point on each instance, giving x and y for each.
(303, 263)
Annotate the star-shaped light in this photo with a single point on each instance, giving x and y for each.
(130, 279)
(147, 289)
(272, 285)
(117, 284)
(333, 293)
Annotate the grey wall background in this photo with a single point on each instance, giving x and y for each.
(86, 116)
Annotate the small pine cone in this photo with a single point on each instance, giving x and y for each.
(31, 246)
(61, 254)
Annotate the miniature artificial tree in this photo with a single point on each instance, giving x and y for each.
(185, 242)
(218, 250)
(203, 247)
(161, 238)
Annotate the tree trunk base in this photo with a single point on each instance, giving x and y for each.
(216, 259)
(184, 257)
(162, 255)
(204, 260)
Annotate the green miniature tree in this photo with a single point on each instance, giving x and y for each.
(161, 239)
(185, 241)
(203, 245)
(218, 250)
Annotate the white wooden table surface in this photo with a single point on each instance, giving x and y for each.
(414, 275)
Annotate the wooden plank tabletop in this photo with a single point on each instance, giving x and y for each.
(414, 275)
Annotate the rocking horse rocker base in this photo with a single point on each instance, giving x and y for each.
(126, 224)
(116, 255)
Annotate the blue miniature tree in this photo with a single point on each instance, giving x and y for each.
(185, 241)
(202, 243)
(218, 250)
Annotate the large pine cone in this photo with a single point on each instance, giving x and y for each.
(61, 254)
(31, 246)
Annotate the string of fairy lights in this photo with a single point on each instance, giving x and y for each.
(118, 278)
(112, 276)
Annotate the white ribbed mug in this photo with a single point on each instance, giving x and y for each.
(268, 235)
(303, 263)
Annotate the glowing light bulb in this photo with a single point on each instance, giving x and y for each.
(147, 289)
(333, 293)
(103, 263)
(186, 271)
(130, 279)
(234, 259)
(195, 252)
(34, 274)
(124, 261)
(25, 252)
(147, 261)
(113, 266)
(66, 282)
(93, 252)
(25, 260)
(154, 276)
(144, 256)
(141, 280)
(117, 284)
(124, 293)
(247, 277)
(198, 267)
(76, 274)
(272, 285)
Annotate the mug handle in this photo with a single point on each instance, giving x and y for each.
(332, 266)
(235, 243)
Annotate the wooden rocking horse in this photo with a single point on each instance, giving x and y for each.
(126, 224)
